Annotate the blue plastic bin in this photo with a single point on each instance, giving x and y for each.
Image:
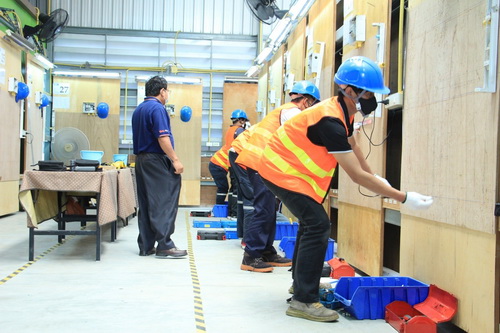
(287, 245)
(207, 224)
(286, 229)
(228, 223)
(219, 211)
(231, 233)
(367, 297)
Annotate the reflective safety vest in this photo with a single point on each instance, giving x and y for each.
(291, 161)
(220, 157)
(241, 141)
(254, 148)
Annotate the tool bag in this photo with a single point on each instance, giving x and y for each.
(84, 165)
(51, 166)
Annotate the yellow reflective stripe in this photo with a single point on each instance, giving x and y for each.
(264, 132)
(287, 169)
(303, 156)
(223, 163)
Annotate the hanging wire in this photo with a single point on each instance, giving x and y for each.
(372, 144)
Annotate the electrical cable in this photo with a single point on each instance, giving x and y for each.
(371, 144)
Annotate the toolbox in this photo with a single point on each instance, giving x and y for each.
(200, 213)
(340, 268)
(231, 233)
(211, 234)
(439, 307)
(207, 224)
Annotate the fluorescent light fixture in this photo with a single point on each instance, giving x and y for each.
(103, 75)
(42, 61)
(19, 40)
(280, 31)
(172, 79)
(264, 55)
(300, 8)
(253, 71)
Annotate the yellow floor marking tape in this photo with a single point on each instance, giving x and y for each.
(29, 263)
(198, 304)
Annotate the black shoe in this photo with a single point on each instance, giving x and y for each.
(171, 253)
(276, 260)
(147, 253)
(255, 264)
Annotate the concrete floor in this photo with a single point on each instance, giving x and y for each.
(66, 290)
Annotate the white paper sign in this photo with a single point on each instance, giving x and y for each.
(61, 88)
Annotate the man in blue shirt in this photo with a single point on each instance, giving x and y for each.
(158, 173)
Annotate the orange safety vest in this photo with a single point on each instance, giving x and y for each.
(254, 148)
(241, 141)
(291, 161)
(220, 157)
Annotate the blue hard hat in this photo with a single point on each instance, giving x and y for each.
(363, 73)
(44, 101)
(22, 91)
(102, 110)
(239, 114)
(306, 88)
(186, 113)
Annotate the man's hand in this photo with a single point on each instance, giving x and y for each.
(179, 168)
(416, 200)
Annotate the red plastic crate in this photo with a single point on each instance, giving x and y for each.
(440, 306)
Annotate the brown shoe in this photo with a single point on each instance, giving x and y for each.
(171, 253)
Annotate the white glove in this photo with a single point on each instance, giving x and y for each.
(416, 200)
(383, 180)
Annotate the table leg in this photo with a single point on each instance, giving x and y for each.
(31, 244)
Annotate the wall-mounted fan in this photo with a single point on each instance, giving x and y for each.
(49, 28)
(266, 10)
(67, 143)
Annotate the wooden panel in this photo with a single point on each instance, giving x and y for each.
(459, 261)
(375, 126)
(68, 107)
(322, 18)
(275, 85)
(450, 141)
(9, 193)
(187, 136)
(102, 133)
(10, 66)
(34, 119)
(360, 236)
(238, 96)
(296, 54)
(85, 90)
(263, 90)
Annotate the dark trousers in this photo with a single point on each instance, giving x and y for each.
(311, 243)
(158, 189)
(232, 198)
(261, 231)
(219, 175)
(245, 196)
